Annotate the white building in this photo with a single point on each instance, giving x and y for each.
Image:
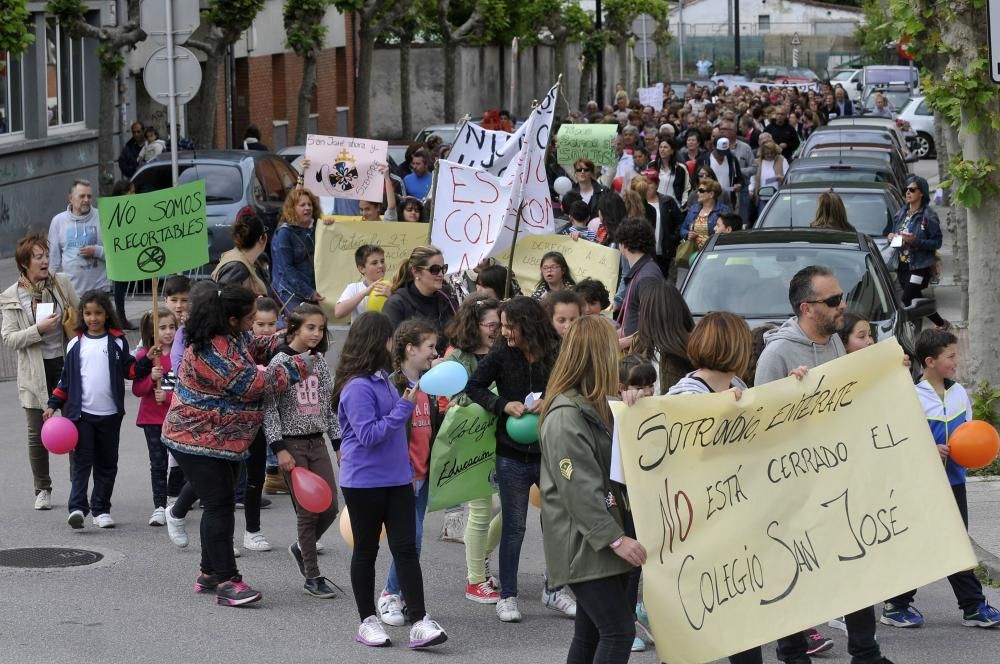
(713, 18)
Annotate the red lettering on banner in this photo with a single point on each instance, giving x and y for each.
(496, 192)
(455, 184)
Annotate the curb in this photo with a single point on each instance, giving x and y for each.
(990, 562)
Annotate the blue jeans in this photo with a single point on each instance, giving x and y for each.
(515, 479)
(157, 463)
(420, 494)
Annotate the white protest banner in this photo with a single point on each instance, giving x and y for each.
(652, 96)
(802, 501)
(345, 167)
(488, 149)
(470, 207)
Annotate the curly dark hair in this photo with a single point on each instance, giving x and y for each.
(539, 337)
(463, 330)
(636, 234)
(364, 350)
(212, 307)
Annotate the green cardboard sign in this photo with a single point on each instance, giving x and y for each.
(595, 142)
(155, 234)
(463, 458)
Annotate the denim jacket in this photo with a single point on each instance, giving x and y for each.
(292, 252)
(925, 226)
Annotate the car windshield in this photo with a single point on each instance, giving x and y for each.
(866, 212)
(842, 174)
(223, 183)
(447, 135)
(897, 99)
(802, 72)
(753, 282)
(842, 76)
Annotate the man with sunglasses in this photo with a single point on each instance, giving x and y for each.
(806, 340)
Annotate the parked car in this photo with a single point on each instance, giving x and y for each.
(849, 79)
(869, 205)
(898, 96)
(880, 152)
(292, 154)
(867, 121)
(921, 119)
(783, 74)
(748, 272)
(237, 183)
(447, 132)
(842, 170)
(854, 135)
(889, 75)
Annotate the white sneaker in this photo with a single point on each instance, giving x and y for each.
(43, 501)
(158, 517)
(177, 530)
(104, 521)
(453, 529)
(507, 610)
(255, 542)
(390, 609)
(371, 633)
(236, 552)
(426, 633)
(319, 547)
(559, 600)
(75, 519)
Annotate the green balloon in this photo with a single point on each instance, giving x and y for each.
(693, 258)
(524, 429)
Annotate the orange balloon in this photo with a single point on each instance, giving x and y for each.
(535, 496)
(347, 533)
(974, 444)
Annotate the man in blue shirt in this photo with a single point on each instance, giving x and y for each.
(418, 182)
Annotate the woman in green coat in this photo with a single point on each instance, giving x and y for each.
(583, 526)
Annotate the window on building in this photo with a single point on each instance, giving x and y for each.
(64, 75)
(763, 22)
(11, 95)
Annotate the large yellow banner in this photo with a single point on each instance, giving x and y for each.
(801, 502)
(585, 259)
(337, 242)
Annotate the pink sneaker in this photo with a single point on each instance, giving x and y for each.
(236, 593)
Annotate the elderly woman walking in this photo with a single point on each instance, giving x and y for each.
(40, 343)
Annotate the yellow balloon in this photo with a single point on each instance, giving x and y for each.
(376, 300)
(535, 496)
(347, 533)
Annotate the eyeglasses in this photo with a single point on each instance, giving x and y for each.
(913, 190)
(436, 269)
(490, 326)
(702, 190)
(551, 268)
(582, 169)
(832, 301)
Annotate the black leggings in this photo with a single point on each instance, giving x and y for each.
(120, 288)
(913, 289)
(604, 626)
(369, 509)
(252, 482)
(214, 480)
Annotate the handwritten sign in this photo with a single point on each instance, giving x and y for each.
(652, 96)
(587, 141)
(585, 259)
(463, 458)
(336, 244)
(345, 167)
(788, 508)
(488, 149)
(153, 234)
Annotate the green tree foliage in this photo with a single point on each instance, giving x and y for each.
(305, 35)
(15, 27)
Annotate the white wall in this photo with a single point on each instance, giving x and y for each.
(709, 17)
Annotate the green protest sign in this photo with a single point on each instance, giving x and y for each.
(463, 457)
(151, 235)
(587, 141)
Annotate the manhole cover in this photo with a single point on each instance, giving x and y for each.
(48, 557)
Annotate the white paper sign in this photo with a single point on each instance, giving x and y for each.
(43, 310)
(652, 96)
(345, 167)
(470, 207)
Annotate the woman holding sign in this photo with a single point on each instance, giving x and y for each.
(584, 527)
(33, 314)
(292, 249)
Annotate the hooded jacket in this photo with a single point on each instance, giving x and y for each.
(68, 234)
(944, 416)
(690, 384)
(582, 510)
(789, 347)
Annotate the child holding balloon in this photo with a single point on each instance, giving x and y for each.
(947, 406)
(414, 347)
(154, 403)
(294, 422)
(376, 477)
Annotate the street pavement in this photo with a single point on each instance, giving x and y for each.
(138, 606)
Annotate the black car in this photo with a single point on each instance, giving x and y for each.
(869, 205)
(891, 157)
(748, 273)
(237, 183)
(848, 169)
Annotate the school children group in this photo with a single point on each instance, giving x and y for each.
(232, 380)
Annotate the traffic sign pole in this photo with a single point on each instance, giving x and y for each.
(171, 92)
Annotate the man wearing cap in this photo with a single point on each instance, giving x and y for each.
(726, 168)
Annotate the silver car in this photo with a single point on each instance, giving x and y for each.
(921, 119)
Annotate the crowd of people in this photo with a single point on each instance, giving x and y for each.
(235, 391)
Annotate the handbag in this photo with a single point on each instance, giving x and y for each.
(684, 252)
(70, 319)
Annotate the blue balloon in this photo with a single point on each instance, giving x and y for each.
(444, 380)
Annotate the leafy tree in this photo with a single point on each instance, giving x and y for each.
(112, 43)
(618, 17)
(566, 22)
(305, 34)
(15, 27)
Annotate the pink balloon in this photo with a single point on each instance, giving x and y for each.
(311, 491)
(59, 435)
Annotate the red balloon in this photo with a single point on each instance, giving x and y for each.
(974, 444)
(617, 183)
(311, 491)
(59, 435)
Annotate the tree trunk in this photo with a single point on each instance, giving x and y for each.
(957, 221)
(202, 108)
(449, 80)
(560, 58)
(405, 112)
(305, 98)
(106, 134)
(363, 85)
(588, 67)
(621, 50)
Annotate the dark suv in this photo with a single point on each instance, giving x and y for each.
(237, 183)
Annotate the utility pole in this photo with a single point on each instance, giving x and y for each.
(599, 25)
(736, 35)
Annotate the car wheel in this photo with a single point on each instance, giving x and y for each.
(925, 146)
